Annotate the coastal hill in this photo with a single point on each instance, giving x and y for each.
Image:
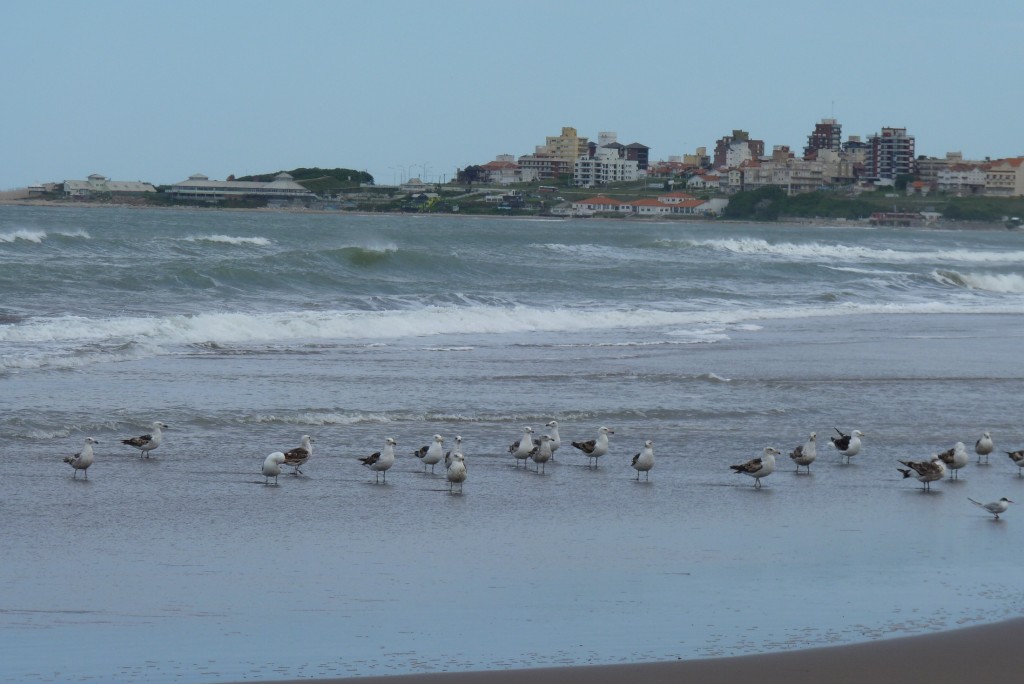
(320, 181)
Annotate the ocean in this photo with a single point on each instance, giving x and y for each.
(244, 331)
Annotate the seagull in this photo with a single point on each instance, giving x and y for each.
(272, 466)
(644, 461)
(380, 461)
(299, 455)
(595, 448)
(431, 455)
(759, 467)
(147, 443)
(984, 446)
(456, 472)
(847, 445)
(1018, 459)
(456, 450)
(926, 472)
(521, 448)
(805, 454)
(955, 459)
(995, 507)
(83, 459)
(541, 453)
(556, 440)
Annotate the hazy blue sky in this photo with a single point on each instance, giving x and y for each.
(160, 90)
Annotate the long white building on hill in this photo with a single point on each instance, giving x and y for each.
(200, 188)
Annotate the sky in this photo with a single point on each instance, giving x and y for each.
(157, 91)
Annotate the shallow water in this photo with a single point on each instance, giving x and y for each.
(187, 567)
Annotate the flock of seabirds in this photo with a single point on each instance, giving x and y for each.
(541, 449)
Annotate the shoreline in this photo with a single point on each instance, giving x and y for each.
(862, 223)
(978, 654)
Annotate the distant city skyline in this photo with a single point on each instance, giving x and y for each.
(140, 91)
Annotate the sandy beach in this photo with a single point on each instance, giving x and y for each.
(986, 653)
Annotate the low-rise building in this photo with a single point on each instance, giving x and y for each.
(200, 188)
(672, 204)
(97, 184)
(1005, 178)
(962, 179)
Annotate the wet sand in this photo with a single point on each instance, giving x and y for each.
(981, 654)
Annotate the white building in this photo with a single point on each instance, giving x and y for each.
(97, 185)
(961, 179)
(200, 188)
(605, 167)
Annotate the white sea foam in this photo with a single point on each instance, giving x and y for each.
(1005, 283)
(315, 418)
(845, 253)
(26, 234)
(62, 338)
(75, 233)
(600, 253)
(230, 240)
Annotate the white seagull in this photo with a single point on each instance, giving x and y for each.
(380, 461)
(1018, 459)
(147, 443)
(456, 450)
(556, 440)
(521, 448)
(595, 448)
(431, 455)
(984, 447)
(83, 459)
(926, 472)
(955, 459)
(644, 461)
(847, 445)
(759, 467)
(272, 466)
(995, 507)
(541, 453)
(456, 472)
(805, 454)
(299, 455)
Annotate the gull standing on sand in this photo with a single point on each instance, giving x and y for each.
(955, 459)
(521, 448)
(644, 461)
(847, 445)
(456, 450)
(299, 455)
(805, 454)
(995, 507)
(1018, 460)
(272, 466)
(541, 453)
(984, 447)
(431, 455)
(380, 461)
(147, 443)
(759, 467)
(83, 459)
(456, 472)
(926, 472)
(595, 448)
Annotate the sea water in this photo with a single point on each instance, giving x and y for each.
(246, 330)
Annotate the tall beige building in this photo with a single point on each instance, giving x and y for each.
(557, 156)
(569, 145)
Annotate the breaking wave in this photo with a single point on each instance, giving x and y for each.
(230, 240)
